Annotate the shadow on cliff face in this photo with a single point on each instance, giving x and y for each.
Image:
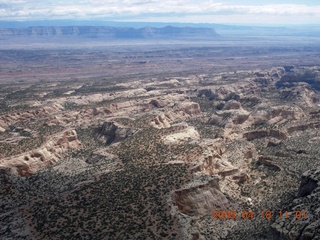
(292, 78)
(200, 198)
(307, 185)
(304, 209)
(113, 132)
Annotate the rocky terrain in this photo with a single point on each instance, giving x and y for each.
(155, 157)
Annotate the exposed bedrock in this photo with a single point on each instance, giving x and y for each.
(163, 120)
(181, 112)
(230, 162)
(276, 114)
(222, 167)
(268, 79)
(250, 101)
(269, 163)
(222, 93)
(302, 94)
(212, 161)
(264, 81)
(200, 198)
(157, 103)
(190, 108)
(303, 222)
(232, 114)
(20, 116)
(113, 132)
(293, 78)
(49, 153)
(232, 104)
(208, 93)
(185, 134)
(265, 133)
(231, 117)
(303, 127)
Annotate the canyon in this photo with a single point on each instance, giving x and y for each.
(146, 143)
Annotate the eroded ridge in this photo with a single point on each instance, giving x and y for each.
(152, 158)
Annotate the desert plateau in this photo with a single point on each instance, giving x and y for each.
(120, 133)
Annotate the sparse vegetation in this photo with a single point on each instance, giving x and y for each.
(250, 132)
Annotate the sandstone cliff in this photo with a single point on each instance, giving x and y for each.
(48, 154)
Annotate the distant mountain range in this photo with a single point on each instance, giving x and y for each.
(104, 32)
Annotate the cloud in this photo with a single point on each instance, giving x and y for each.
(140, 9)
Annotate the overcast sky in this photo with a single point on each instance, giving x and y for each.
(196, 11)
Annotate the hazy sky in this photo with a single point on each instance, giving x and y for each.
(204, 11)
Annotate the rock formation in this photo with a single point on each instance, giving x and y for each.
(49, 153)
(113, 132)
(186, 134)
(159, 154)
(200, 198)
(180, 112)
(303, 212)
